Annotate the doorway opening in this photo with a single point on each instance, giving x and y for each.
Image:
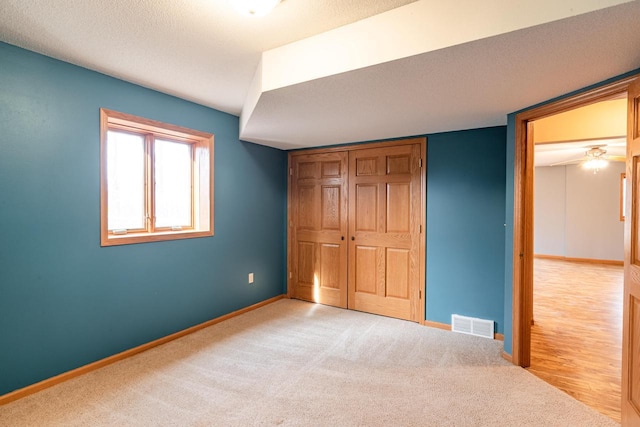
(576, 334)
(523, 242)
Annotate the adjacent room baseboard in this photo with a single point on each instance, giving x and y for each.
(585, 260)
(507, 357)
(49, 382)
(446, 327)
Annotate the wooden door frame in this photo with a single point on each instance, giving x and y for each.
(522, 309)
(423, 205)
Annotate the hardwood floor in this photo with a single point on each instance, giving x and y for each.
(576, 340)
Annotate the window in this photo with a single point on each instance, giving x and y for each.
(156, 181)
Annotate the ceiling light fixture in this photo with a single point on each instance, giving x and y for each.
(595, 164)
(596, 159)
(255, 7)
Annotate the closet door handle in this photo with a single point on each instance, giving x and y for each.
(341, 237)
(353, 238)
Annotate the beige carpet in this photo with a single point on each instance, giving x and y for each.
(294, 364)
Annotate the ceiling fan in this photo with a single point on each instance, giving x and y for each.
(594, 158)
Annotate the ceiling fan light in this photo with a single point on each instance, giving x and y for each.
(255, 7)
(595, 164)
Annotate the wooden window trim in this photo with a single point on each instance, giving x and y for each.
(623, 177)
(202, 155)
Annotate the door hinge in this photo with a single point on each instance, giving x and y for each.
(420, 294)
(420, 162)
(291, 275)
(291, 171)
(420, 228)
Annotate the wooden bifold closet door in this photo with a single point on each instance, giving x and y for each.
(355, 228)
(318, 209)
(384, 231)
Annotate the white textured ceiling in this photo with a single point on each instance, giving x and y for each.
(203, 51)
(200, 50)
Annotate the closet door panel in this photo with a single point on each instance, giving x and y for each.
(398, 273)
(384, 196)
(318, 226)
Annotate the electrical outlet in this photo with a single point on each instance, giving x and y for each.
(250, 277)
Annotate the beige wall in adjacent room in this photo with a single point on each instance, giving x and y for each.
(607, 119)
(577, 212)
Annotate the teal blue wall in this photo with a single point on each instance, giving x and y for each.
(510, 160)
(64, 300)
(465, 225)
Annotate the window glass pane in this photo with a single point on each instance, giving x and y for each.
(173, 184)
(125, 180)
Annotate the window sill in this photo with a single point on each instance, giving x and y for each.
(132, 238)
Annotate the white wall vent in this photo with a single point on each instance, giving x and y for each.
(472, 326)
